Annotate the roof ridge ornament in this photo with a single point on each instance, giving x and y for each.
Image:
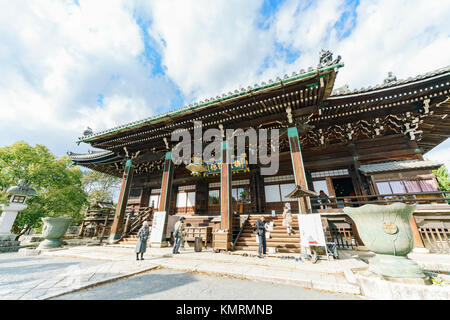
(391, 78)
(342, 90)
(326, 59)
(88, 131)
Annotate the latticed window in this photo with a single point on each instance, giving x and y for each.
(278, 192)
(406, 186)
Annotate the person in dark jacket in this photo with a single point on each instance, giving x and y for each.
(141, 245)
(260, 229)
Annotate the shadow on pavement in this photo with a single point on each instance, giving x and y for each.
(132, 288)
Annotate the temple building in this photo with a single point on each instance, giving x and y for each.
(357, 146)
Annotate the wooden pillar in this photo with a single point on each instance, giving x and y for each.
(166, 190)
(257, 194)
(105, 225)
(309, 182)
(331, 192)
(356, 180)
(298, 167)
(201, 197)
(353, 169)
(226, 209)
(116, 228)
(145, 198)
(418, 241)
(417, 151)
(254, 192)
(80, 232)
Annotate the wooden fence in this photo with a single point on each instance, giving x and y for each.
(344, 238)
(436, 239)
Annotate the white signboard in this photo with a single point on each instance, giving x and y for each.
(311, 231)
(157, 227)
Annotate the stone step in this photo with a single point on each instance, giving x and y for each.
(269, 242)
(275, 228)
(255, 248)
(273, 232)
(272, 236)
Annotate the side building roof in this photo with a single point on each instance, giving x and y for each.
(399, 166)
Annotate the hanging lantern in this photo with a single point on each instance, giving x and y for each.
(196, 166)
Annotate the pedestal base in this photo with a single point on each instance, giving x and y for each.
(7, 236)
(419, 281)
(29, 252)
(114, 238)
(9, 246)
(163, 244)
(395, 267)
(50, 244)
(421, 250)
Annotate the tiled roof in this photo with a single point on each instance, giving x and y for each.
(256, 88)
(343, 91)
(89, 155)
(400, 166)
(94, 157)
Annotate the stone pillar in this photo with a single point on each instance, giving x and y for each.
(298, 167)
(166, 191)
(226, 209)
(7, 219)
(116, 228)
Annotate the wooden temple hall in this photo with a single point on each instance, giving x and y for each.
(356, 146)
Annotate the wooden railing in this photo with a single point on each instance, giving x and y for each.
(135, 222)
(240, 231)
(437, 197)
(344, 238)
(436, 239)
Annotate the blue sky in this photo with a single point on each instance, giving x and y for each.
(71, 64)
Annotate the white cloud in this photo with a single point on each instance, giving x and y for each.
(440, 153)
(210, 47)
(58, 58)
(406, 37)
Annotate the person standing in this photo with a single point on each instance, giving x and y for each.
(141, 245)
(178, 234)
(324, 199)
(260, 229)
(287, 218)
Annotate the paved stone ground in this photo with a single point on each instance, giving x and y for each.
(168, 284)
(59, 272)
(325, 275)
(28, 278)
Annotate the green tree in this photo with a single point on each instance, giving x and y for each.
(99, 186)
(442, 178)
(57, 182)
(3, 197)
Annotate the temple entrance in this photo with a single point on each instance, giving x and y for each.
(343, 187)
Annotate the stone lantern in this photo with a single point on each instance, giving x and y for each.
(17, 197)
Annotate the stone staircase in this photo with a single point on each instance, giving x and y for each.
(131, 239)
(279, 238)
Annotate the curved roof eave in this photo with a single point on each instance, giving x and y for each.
(259, 89)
